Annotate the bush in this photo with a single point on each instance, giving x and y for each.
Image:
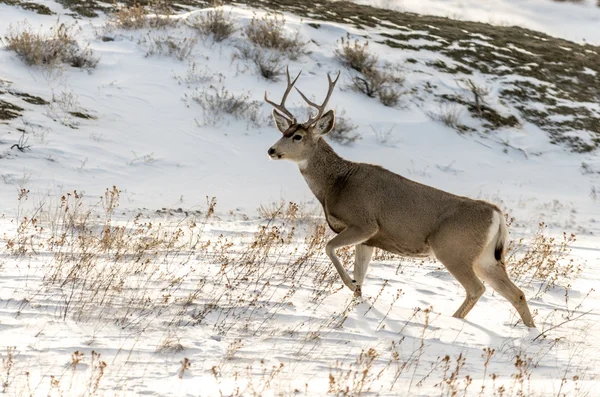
(389, 96)
(53, 48)
(215, 22)
(194, 75)
(171, 46)
(270, 33)
(385, 84)
(268, 63)
(447, 114)
(355, 55)
(370, 80)
(137, 16)
(343, 131)
(217, 102)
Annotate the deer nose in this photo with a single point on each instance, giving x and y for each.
(271, 151)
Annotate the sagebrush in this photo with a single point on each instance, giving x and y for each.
(52, 48)
(270, 32)
(215, 23)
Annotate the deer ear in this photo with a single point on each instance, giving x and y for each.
(325, 123)
(281, 122)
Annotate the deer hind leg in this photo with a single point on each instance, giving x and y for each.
(464, 274)
(351, 235)
(457, 259)
(362, 258)
(494, 273)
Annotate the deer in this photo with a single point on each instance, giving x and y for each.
(370, 207)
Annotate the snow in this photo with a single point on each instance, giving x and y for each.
(276, 326)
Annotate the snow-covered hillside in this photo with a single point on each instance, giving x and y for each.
(576, 21)
(247, 295)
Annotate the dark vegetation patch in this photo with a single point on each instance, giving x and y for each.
(491, 118)
(452, 69)
(91, 8)
(82, 115)
(30, 6)
(34, 100)
(9, 111)
(84, 8)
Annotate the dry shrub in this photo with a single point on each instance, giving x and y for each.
(214, 23)
(270, 33)
(343, 131)
(355, 55)
(385, 83)
(447, 114)
(268, 63)
(480, 93)
(131, 17)
(544, 260)
(219, 102)
(52, 48)
(194, 75)
(171, 46)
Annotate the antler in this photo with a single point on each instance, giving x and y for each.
(281, 107)
(320, 108)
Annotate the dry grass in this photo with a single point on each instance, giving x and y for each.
(543, 262)
(269, 32)
(137, 274)
(58, 46)
(218, 103)
(65, 109)
(194, 75)
(448, 114)
(167, 45)
(215, 23)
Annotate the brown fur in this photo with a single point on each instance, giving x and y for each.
(369, 206)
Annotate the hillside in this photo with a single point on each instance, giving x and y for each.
(151, 247)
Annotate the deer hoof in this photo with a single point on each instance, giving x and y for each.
(358, 291)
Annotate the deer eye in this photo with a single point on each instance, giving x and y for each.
(297, 137)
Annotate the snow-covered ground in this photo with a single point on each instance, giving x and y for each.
(259, 311)
(579, 22)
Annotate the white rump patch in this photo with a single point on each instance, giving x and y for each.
(493, 230)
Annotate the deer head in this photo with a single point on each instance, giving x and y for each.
(299, 139)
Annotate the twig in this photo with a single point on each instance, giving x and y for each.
(564, 322)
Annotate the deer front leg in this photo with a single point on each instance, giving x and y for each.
(351, 235)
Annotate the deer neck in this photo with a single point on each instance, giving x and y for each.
(322, 169)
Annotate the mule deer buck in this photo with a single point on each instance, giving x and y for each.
(368, 206)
